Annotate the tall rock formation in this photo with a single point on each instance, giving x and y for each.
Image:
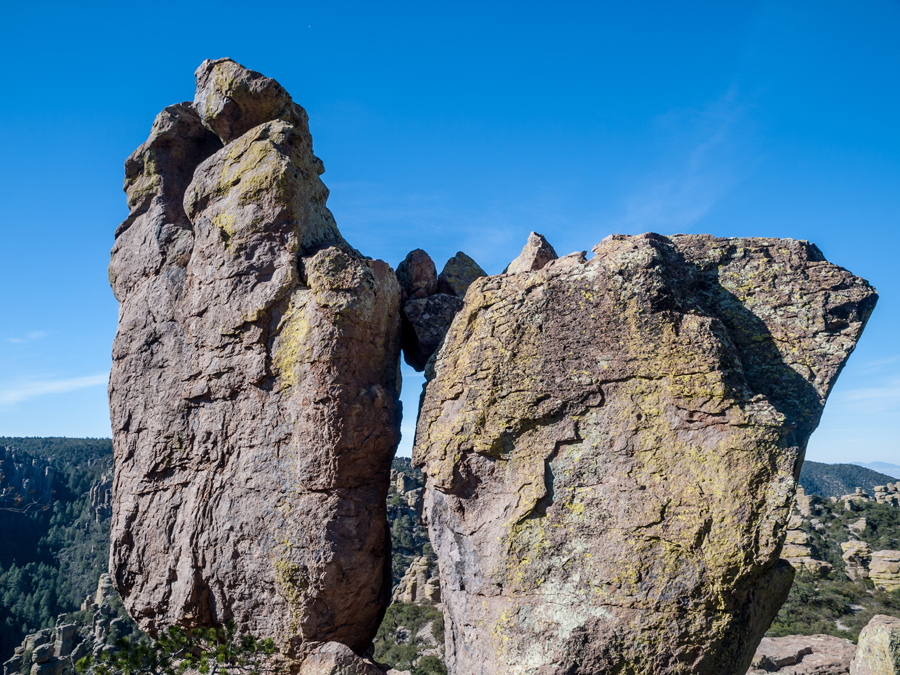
(611, 448)
(254, 387)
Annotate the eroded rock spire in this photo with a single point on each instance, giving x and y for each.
(254, 388)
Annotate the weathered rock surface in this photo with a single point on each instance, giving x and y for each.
(334, 658)
(458, 274)
(878, 649)
(231, 100)
(611, 448)
(254, 389)
(800, 553)
(803, 655)
(26, 482)
(48, 652)
(427, 322)
(884, 570)
(101, 498)
(417, 275)
(857, 555)
(421, 585)
(534, 256)
(428, 313)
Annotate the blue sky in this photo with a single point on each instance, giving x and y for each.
(464, 126)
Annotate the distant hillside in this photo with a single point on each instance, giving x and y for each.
(51, 556)
(835, 480)
(883, 467)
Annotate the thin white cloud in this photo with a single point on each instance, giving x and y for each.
(692, 181)
(17, 393)
(886, 393)
(33, 335)
(877, 365)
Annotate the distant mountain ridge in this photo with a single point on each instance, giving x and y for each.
(882, 467)
(836, 480)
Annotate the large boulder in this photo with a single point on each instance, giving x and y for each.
(878, 648)
(417, 275)
(458, 274)
(611, 449)
(803, 655)
(334, 658)
(426, 322)
(231, 99)
(254, 385)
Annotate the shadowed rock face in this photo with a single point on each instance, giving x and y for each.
(611, 448)
(254, 390)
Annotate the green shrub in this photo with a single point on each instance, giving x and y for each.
(209, 651)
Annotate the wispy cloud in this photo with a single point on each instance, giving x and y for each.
(707, 161)
(877, 365)
(33, 335)
(17, 393)
(887, 392)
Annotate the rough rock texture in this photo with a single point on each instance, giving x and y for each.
(427, 321)
(48, 652)
(857, 555)
(231, 100)
(101, 498)
(254, 386)
(334, 658)
(421, 585)
(427, 313)
(417, 275)
(537, 253)
(458, 274)
(611, 449)
(878, 648)
(799, 551)
(888, 494)
(884, 570)
(803, 655)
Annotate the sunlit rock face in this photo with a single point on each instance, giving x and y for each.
(611, 448)
(254, 388)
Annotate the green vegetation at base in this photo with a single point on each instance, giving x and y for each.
(399, 643)
(50, 560)
(831, 607)
(833, 604)
(207, 651)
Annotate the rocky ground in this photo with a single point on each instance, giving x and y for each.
(847, 585)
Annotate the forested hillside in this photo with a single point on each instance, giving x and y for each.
(837, 480)
(52, 554)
